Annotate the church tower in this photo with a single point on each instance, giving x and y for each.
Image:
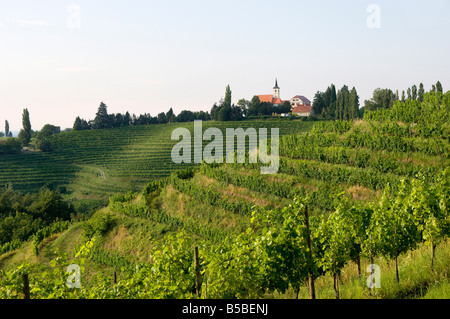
(276, 90)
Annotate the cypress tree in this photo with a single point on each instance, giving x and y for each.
(353, 104)
(77, 126)
(227, 99)
(342, 112)
(333, 99)
(6, 128)
(25, 132)
(414, 92)
(433, 89)
(439, 87)
(421, 92)
(127, 119)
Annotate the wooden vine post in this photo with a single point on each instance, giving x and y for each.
(26, 286)
(198, 283)
(312, 290)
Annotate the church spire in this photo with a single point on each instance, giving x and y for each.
(276, 90)
(276, 84)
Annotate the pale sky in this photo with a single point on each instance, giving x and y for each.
(60, 59)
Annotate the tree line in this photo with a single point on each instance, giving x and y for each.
(385, 98)
(41, 138)
(104, 120)
(223, 110)
(344, 103)
(22, 215)
(340, 105)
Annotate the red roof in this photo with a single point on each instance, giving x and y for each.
(302, 109)
(270, 99)
(266, 98)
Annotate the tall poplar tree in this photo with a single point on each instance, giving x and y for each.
(439, 87)
(25, 132)
(414, 92)
(353, 104)
(421, 92)
(227, 99)
(6, 128)
(342, 104)
(333, 99)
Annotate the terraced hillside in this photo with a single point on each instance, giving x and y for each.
(214, 204)
(347, 194)
(93, 165)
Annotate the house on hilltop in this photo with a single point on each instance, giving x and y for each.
(301, 106)
(302, 110)
(300, 100)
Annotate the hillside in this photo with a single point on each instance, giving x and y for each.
(92, 165)
(348, 174)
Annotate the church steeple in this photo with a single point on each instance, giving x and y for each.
(276, 84)
(276, 90)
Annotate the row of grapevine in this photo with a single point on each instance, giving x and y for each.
(211, 197)
(360, 157)
(55, 228)
(334, 174)
(426, 130)
(254, 182)
(111, 259)
(361, 139)
(142, 211)
(10, 246)
(278, 252)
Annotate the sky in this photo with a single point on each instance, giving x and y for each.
(60, 59)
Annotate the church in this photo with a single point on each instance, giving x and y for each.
(301, 106)
(272, 98)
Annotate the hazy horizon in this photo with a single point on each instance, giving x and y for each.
(60, 59)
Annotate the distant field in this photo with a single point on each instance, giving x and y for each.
(92, 165)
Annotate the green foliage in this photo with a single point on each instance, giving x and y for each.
(343, 105)
(172, 270)
(11, 146)
(382, 99)
(434, 109)
(45, 284)
(25, 132)
(286, 257)
(99, 225)
(25, 215)
(102, 119)
(7, 128)
(45, 145)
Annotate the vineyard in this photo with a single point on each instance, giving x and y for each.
(128, 157)
(348, 194)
